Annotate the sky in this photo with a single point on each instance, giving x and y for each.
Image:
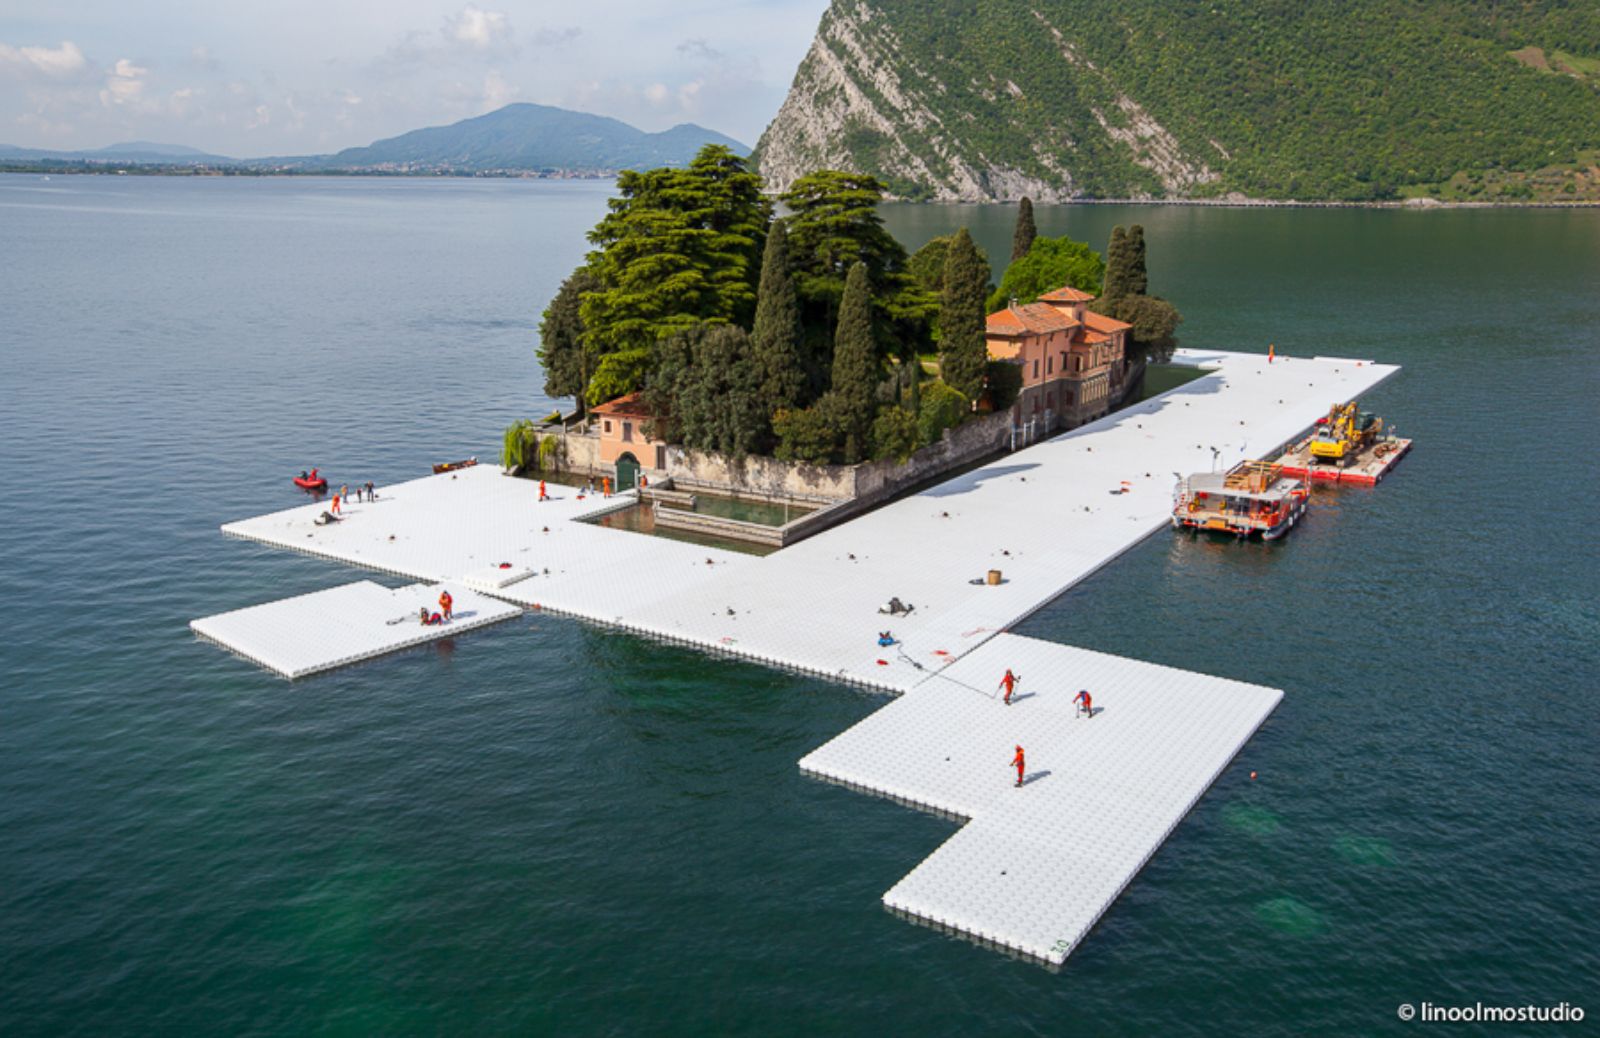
(299, 77)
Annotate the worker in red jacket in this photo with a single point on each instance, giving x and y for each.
(542, 495)
(1009, 683)
(1022, 765)
(445, 604)
(1085, 702)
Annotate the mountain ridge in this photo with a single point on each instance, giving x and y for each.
(516, 137)
(980, 100)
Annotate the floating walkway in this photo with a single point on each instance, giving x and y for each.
(308, 634)
(1035, 867)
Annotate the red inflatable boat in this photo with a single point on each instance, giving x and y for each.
(310, 481)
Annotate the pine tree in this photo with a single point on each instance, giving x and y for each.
(855, 365)
(1138, 276)
(1117, 268)
(1022, 237)
(833, 223)
(561, 353)
(776, 335)
(678, 247)
(964, 352)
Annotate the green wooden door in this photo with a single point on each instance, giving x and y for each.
(627, 472)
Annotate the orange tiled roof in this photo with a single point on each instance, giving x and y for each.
(1094, 338)
(1102, 323)
(1066, 294)
(630, 406)
(1029, 319)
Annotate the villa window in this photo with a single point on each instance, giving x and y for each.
(607, 426)
(627, 432)
(1036, 370)
(1049, 365)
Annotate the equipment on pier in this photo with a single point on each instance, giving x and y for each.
(1344, 434)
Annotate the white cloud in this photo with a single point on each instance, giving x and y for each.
(124, 84)
(656, 93)
(54, 62)
(479, 29)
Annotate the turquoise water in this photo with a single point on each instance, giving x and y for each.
(546, 827)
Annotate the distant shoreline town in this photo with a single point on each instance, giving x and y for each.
(86, 168)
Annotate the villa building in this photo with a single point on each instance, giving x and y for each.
(1072, 359)
(623, 443)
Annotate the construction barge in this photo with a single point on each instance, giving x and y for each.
(1366, 467)
(1348, 445)
(1252, 499)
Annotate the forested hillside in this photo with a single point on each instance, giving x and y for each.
(1360, 99)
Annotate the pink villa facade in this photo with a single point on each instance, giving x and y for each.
(1072, 359)
(620, 424)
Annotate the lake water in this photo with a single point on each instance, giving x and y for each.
(548, 827)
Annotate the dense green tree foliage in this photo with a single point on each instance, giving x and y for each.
(704, 386)
(942, 408)
(833, 223)
(1050, 264)
(776, 334)
(1272, 98)
(1119, 267)
(963, 349)
(1125, 297)
(811, 434)
(1004, 383)
(1022, 237)
(679, 247)
(561, 350)
(856, 367)
(894, 434)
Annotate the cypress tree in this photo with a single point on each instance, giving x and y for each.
(1022, 237)
(855, 365)
(1117, 267)
(775, 338)
(964, 352)
(1138, 276)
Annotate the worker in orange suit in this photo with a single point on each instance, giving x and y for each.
(1022, 765)
(1085, 702)
(605, 485)
(446, 603)
(336, 504)
(542, 495)
(1009, 683)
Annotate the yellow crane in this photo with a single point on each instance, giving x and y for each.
(1344, 434)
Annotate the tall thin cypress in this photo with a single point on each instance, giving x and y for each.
(964, 351)
(775, 338)
(1117, 268)
(1022, 237)
(855, 364)
(1138, 276)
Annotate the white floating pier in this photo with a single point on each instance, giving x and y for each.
(1035, 867)
(307, 634)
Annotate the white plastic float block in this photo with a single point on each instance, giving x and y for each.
(295, 637)
(1037, 866)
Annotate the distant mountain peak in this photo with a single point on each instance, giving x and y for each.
(531, 136)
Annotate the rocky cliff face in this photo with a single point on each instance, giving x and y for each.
(1058, 99)
(865, 100)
